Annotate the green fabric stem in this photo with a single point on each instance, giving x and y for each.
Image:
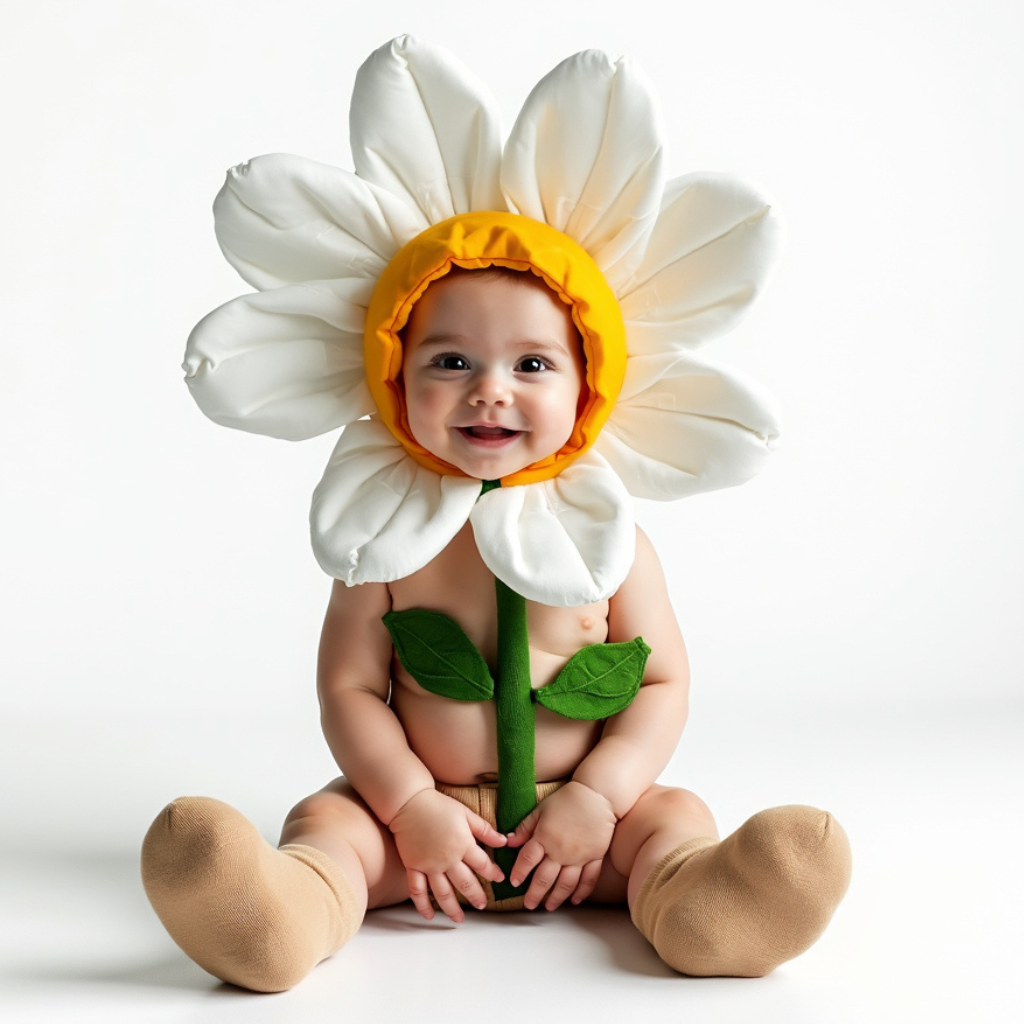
(513, 698)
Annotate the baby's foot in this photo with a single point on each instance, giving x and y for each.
(247, 913)
(745, 905)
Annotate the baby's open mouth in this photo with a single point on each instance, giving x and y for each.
(484, 433)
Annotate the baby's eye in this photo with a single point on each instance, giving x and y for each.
(450, 361)
(532, 364)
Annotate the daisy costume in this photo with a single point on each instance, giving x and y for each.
(650, 269)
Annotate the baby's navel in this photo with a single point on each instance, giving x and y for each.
(587, 622)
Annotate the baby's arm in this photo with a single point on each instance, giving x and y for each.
(568, 835)
(436, 836)
(637, 744)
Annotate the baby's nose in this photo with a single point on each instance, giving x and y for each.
(490, 389)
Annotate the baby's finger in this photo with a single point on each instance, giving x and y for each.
(483, 865)
(525, 829)
(444, 893)
(529, 857)
(564, 887)
(485, 832)
(589, 877)
(419, 893)
(469, 885)
(543, 878)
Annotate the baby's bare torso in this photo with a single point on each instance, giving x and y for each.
(456, 739)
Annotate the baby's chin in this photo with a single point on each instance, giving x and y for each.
(488, 455)
(491, 465)
(491, 469)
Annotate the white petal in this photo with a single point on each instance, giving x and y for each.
(377, 516)
(708, 257)
(585, 156)
(424, 127)
(685, 425)
(568, 541)
(286, 362)
(283, 219)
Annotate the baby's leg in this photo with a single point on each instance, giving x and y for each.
(739, 907)
(259, 917)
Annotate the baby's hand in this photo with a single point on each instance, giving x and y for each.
(565, 838)
(436, 838)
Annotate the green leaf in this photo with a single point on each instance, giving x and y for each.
(436, 652)
(597, 682)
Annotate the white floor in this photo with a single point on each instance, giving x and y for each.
(930, 931)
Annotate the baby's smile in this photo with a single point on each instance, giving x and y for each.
(488, 436)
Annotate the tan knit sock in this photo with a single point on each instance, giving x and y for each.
(247, 913)
(741, 907)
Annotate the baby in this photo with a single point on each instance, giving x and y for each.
(492, 376)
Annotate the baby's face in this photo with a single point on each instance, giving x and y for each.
(492, 371)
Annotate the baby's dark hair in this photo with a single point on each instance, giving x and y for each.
(498, 272)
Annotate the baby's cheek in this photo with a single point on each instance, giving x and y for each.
(568, 424)
(425, 412)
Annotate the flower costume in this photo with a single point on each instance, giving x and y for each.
(650, 270)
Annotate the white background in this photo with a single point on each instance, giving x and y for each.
(160, 607)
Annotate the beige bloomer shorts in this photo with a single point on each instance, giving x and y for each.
(483, 800)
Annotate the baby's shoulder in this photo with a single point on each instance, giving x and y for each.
(646, 564)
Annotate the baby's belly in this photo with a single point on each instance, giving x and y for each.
(457, 741)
